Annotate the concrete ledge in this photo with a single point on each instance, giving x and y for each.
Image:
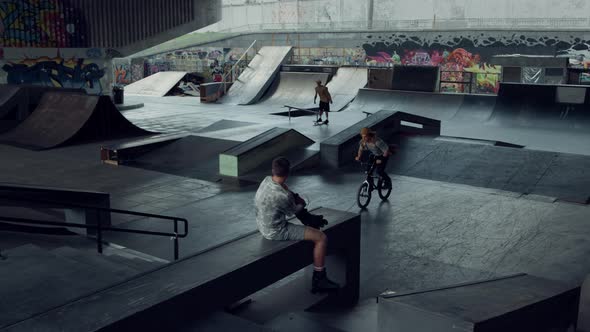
(206, 282)
(252, 153)
(341, 148)
(127, 107)
(512, 303)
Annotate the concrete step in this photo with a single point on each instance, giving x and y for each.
(139, 265)
(99, 262)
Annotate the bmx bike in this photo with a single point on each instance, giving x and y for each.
(366, 188)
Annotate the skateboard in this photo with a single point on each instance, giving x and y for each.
(315, 123)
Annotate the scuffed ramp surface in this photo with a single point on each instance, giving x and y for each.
(157, 85)
(258, 76)
(64, 117)
(295, 89)
(7, 94)
(224, 125)
(344, 87)
(543, 106)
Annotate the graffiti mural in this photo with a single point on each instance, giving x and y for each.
(122, 74)
(464, 56)
(329, 56)
(58, 72)
(137, 69)
(211, 63)
(41, 23)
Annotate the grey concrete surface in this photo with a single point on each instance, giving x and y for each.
(429, 233)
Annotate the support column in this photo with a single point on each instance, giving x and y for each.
(370, 14)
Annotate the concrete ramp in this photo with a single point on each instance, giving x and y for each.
(295, 89)
(258, 76)
(433, 105)
(156, 85)
(260, 151)
(17, 102)
(559, 107)
(7, 95)
(344, 87)
(340, 149)
(66, 117)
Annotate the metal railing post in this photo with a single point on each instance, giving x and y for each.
(175, 239)
(98, 232)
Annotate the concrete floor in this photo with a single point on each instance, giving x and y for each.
(428, 234)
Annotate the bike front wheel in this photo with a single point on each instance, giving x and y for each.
(363, 196)
(384, 191)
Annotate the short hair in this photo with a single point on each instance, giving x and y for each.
(281, 167)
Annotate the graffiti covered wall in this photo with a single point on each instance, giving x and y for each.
(460, 52)
(68, 68)
(209, 62)
(41, 23)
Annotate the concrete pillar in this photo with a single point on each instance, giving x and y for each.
(370, 14)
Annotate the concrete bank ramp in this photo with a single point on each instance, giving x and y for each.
(340, 149)
(67, 117)
(156, 85)
(343, 87)
(295, 89)
(258, 76)
(259, 151)
(558, 107)
(439, 106)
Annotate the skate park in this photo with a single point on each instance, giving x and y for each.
(143, 219)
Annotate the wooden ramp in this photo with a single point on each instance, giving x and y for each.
(66, 117)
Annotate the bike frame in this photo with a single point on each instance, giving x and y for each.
(370, 177)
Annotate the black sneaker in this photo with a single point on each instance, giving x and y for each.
(320, 283)
(318, 121)
(326, 122)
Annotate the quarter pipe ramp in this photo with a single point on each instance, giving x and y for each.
(67, 117)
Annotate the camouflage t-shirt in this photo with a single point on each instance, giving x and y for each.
(378, 148)
(273, 204)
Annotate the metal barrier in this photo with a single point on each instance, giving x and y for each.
(99, 227)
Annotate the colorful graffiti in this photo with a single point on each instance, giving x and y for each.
(456, 65)
(58, 72)
(329, 56)
(212, 63)
(41, 23)
(137, 69)
(122, 74)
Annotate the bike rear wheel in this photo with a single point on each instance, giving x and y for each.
(382, 191)
(363, 196)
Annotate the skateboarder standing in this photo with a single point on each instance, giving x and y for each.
(273, 203)
(325, 100)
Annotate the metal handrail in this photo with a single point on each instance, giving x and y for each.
(99, 227)
(224, 80)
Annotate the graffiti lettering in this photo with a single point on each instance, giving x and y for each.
(58, 72)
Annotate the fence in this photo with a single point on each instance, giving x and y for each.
(468, 82)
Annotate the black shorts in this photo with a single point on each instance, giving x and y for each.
(324, 106)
